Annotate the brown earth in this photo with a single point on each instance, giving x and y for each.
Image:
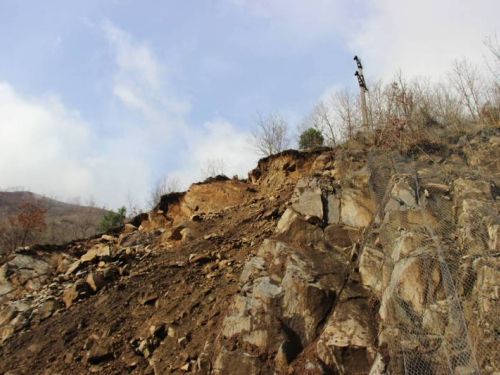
(323, 262)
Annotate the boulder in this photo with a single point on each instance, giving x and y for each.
(333, 209)
(96, 280)
(129, 228)
(64, 262)
(339, 235)
(371, 269)
(298, 230)
(98, 353)
(50, 307)
(477, 222)
(287, 292)
(75, 266)
(356, 208)
(347, 341)
(95, 253)
(470, 189)
(78, 290)
(286, 220)
(406, 243)
(413, 281)
(308, 199)
(402, 196)
(237, 362)
(11, 311)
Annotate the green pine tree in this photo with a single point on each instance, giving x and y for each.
(112, 219)
(310, 138)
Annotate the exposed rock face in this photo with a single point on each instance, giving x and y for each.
(25, 272)
(347, 343)
(292, 295)
(325, 262)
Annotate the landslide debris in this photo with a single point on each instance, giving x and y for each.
(348, 261)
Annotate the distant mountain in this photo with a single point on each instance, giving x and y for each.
(65, 221)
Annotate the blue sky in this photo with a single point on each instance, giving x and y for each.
(100, 98)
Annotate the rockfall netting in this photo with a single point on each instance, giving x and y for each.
(435, 239)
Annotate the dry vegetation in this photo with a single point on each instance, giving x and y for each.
(26, 219)
(405, 114)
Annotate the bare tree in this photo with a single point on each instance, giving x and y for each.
(491, 109)
(88, 219)
(25, 227)
(271, 134)
(376, 105)
(465, 78)
(163, 185)
(213, 168)
(322, 119)
(347, 109)
(493, 45)
(133, 207)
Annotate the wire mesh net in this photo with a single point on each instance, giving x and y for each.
(437, 223)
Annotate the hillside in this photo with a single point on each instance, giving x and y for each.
(352, 260)
(65, 222)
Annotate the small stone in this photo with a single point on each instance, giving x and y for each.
(183, 341)
(158, 330)
(73, 267)
(272, 213)
(68, 358)
(172, 331)
(131, 359)
(144, 348)
(148, 299)
(99, 354)
(186, 367)
(200, 258)
(96, 281)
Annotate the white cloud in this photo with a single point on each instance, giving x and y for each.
(220, 140)
(140, 81)
(48, 149)
(423, 37)
(51, 150)
(311, 18)
(420, 37)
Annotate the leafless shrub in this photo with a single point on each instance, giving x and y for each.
(133, 206)
(493, 46)
(163, 185)
(347, 108)
(491, 109)
(322, 119)
(271, 134)
(213, 168)
(24, 227)
(466, 80)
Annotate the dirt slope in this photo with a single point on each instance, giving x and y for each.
(153, 282)
(348, 261)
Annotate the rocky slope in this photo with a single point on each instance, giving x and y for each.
(345, 261)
